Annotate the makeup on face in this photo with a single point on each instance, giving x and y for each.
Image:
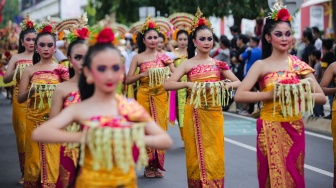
(49, 45)
(103, 68)
(281, 34)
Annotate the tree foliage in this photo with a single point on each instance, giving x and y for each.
(10, 10)
(127, 11)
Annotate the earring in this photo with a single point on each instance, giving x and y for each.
(195, 45)
(89, 80)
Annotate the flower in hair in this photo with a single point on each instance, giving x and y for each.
(106, 35)
(280, 12)
(45, 28)
(81, 33)
(200, 21)
(149, 24)
(27, 23)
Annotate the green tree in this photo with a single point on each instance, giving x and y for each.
(10, 10)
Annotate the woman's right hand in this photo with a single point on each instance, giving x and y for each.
(190, 85)
(144, 74)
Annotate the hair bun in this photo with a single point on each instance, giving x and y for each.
(105, 36)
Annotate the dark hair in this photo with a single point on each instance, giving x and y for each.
(86, 90)
(234, 28)
(316, 29)
(181, 31)
(162, 36)
(256, 39)
(36, 56)
(21, 38)
(316, 53)
(244, 38)
(140, 43)
(309, 35)
(327, 43)
(191, 46)
(269, 26)
(225, 41)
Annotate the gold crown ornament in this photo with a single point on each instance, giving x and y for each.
(149, 24)
(27, 23)
(280, 12)
(200, 21)
(181, 21)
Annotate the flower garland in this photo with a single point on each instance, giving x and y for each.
(27, 23)
(200, 21)
(149, 24)
(45, 28)
(280, 12)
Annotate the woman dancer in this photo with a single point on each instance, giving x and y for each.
(41, 160)
(328, 77)
(280, 136)
(151, 95)
(67, 93)
(206, 90)
(105, 113)
(16, 66)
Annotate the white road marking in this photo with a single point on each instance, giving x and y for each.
(307, 132)
(323, 172)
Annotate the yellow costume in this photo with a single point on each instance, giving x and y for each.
(203, 130)
(42, 160)
(152, 96)
(19, 112)
(104, 164)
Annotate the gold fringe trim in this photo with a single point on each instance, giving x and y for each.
(113, 146)
(73, 127)
(292, 98)
(220, 95)
(158, 76)
(20, 68)
(44, 90)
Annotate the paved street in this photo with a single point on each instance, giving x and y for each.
(239, 152)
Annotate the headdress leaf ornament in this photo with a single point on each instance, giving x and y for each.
(27, 23)
(45, 28)
(149, 24)
(280, 12)
(78, 30)
(200, 21)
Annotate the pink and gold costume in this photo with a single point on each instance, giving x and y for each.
(203, 132)
(89, 176)
(68, 155)
(155, 101)
(281, 141)
(42, 160)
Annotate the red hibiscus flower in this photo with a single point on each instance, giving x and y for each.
(105, 36)
(151, 25)
(83, 33)
(201, 22)
(47, 29)
(283, 15)
(7, 54)
(30, 24)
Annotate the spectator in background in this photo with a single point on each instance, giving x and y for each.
(250, 56)
(318, 41)
(327, 59)
(223, 52)
(314, 61)
(308, 39)
(259, 26)
(235, 33)
(237, 64)
(293, 50)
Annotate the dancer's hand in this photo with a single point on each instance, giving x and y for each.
(190, 85)
(144, 74)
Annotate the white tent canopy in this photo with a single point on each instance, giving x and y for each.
(313, 2)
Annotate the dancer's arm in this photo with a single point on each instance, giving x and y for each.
(10, 70)
(156, 137)
(57, 102)
(24, 92)
(131, 78)
(173, 82)
(50, 131)
(235, 82)
(328, 77)
(244, 93)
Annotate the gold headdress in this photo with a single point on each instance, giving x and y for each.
(181, 21)
(66, 26)
(200, 21)
(149, 24)
(280, 12)
(165, 26)
(46, 27)
(102, 36)
(27, 23)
